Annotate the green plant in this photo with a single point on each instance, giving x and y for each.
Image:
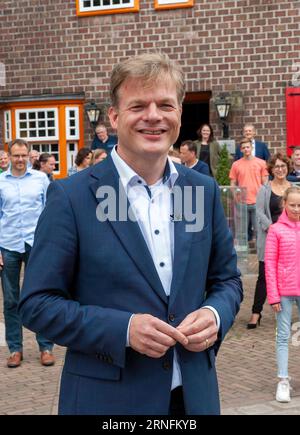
(223, 167)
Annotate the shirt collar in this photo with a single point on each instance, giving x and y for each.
(28, 171)
(130, 178)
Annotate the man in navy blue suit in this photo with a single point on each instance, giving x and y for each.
(138, 279)
(259, 149)
(188, 155)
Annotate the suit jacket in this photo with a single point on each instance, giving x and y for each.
(261, 151)
(85, 278)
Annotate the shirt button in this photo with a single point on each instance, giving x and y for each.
(162, 264)
(171, 317)
(156, 231)
(166, 365)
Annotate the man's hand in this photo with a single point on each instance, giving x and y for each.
(200, 327)
(151, 336)
(1, 261)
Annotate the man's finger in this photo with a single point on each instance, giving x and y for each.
(172, 332)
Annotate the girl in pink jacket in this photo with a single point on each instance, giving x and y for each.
(282, 263)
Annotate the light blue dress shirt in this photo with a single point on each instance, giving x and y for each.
(22, 200)
(152, 207)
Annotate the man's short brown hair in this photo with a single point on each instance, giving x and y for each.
(150, 67)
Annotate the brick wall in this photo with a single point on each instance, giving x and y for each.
(248, 46)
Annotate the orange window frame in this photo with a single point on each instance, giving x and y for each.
(61, 106)
(134, 8)
(177, 5)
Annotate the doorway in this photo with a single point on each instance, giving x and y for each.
(195, 112)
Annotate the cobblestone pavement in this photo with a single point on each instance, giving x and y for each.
(246, 368)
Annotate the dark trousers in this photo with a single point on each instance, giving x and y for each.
(177, 403)
(11, 292)
(260, 290)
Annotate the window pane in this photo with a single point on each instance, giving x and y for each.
(50, 114)
(23, 124)
(51, 133)
(23, 115)
(42, 133)
(32, 115)
(32, 124)
(41, 115)
(50, 123)
(54, 147)
(32, 133)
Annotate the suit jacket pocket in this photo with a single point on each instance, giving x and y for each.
(90, 366)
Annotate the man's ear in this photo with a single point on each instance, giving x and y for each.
(113, 117)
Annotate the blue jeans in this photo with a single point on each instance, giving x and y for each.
(11, 292)
(284, 318)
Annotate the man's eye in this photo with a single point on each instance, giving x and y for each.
(136, 108)
(166, 107)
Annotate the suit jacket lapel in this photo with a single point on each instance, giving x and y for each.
(127, 231)
(182, 243)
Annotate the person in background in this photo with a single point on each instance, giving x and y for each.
(141, 300)
(259, 149)
(268, 210)
(188, 156)
(33, 156)
(103, 140)
(98, 155)
(174, 155)
(4, 161)
(282, 260)
(294, 175)
(250, 172)
(82, 161)
(46, 163)
(22, 199)
(208, 149)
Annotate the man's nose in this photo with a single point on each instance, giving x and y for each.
(153, 113)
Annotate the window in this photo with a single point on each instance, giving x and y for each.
(7, 125)
(72, 122)
(37, 124)
(92, 7)
(172, 4)
(51, 148)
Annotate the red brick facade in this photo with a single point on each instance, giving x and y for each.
(247, 47)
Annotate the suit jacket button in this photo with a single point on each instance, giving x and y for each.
(166, 365)
(171, 317)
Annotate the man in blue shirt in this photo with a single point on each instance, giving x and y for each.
(188, 155)
(103, 140)
(22, 199)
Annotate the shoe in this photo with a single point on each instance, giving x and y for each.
(254, 325)
(14, 360)
(283, 391)
(47, 358)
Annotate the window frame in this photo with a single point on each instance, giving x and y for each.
(7, 126)
(69, 136)
(83, 12)
(38, 138)
(172, 4)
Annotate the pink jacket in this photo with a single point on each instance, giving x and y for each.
(282, 259)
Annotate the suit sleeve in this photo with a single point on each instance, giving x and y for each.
(224, 287)
(47, 305)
